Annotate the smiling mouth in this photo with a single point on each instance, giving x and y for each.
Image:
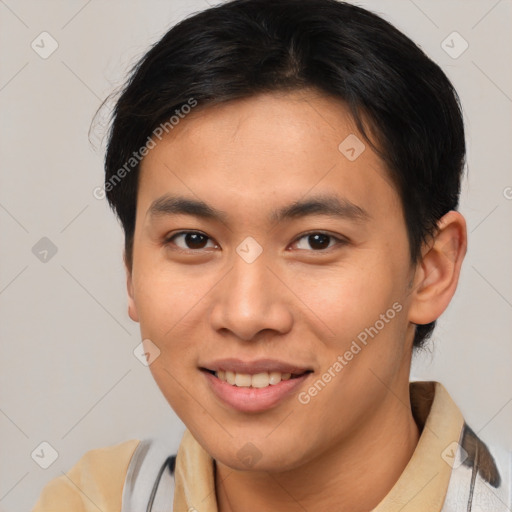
(257, 380)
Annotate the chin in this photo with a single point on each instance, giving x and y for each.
(259, 455)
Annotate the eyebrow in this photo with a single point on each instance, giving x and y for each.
(328, 205)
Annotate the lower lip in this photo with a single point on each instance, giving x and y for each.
(253, 399)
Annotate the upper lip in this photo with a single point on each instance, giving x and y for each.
(253, 367)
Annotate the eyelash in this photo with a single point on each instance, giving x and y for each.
(339, 241)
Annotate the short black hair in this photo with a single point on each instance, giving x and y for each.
(404, 105)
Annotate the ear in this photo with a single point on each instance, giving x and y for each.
(437, 273)
(132, 308)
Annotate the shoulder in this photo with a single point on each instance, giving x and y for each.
(150, 475)
(481, 475)
(95, 481)
(478, 474)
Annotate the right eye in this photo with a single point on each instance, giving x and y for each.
(192, 241)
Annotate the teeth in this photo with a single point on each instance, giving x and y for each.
(275, 377)
(258, 380)
(243, 380)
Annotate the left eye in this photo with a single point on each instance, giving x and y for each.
(318, 241)
(192, 240)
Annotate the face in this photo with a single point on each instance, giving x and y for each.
(262, 248)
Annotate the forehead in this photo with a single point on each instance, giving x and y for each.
(269, 148)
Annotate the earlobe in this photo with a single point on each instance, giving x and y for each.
(437, 274)
(132, 307)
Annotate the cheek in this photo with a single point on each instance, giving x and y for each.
(169, 304)
(345, 300)
(166, 298)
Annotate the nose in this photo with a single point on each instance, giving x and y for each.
(251, 299)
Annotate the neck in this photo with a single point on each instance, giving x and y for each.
(354, 476)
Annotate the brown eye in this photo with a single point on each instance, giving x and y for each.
(318, 241)
(190, 240)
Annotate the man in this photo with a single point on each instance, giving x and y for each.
(287, 176)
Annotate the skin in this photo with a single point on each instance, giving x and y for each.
(346, 448)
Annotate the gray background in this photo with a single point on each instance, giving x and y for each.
(68, 373)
